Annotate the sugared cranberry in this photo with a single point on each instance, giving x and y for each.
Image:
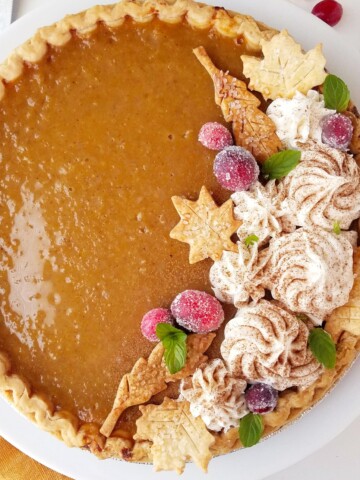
(329, 11)
(337, 131)
(236, 169)
(197, 311)
(215, 136)
(261, 398)
(151, 319)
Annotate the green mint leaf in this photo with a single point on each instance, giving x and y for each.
(251, 429)
(175, 356)
(174, 341)
(165, 329)
(280, 164)
(323, 347)
(336, 93)
(336, 227)
(250, 240)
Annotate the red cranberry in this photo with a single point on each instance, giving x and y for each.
(215, 136)
(261, 398)
(236, 169)
(337, 131)
(197, 311)
(329, 11)
(150, 321)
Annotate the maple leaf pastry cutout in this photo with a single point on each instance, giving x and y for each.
(151, 376)
(354, 116)
(347, 317)
(206, 227)
(175, 434)
(285, 69)
(252, 128)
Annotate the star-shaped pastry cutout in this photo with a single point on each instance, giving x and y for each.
(206, 227)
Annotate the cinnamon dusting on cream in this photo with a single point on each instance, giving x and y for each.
(265, 343)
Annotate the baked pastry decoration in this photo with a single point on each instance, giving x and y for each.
(285, 69)
(150, 376)
(349, 314)
(354, 116)
(89, 240)
(204, 226)
(252, 129)
(176, 436)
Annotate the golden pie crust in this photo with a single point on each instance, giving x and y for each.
(343, 323)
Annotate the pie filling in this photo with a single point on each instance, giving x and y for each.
(95, 140)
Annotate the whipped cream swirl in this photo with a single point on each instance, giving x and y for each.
(215, 395)
(235, 276)
(262, 212)
(265, 343)
(299, 119)
(309, 271)
(323, 188)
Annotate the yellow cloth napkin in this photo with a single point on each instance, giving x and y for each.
(14, 465)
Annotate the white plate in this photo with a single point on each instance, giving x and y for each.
(314, 430)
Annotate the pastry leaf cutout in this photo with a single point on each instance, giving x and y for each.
(175, 434)
(347, 317)
(252, 128)
(150, 376)
(284, 69)
(206, 227)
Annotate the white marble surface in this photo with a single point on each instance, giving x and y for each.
(340, 459)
